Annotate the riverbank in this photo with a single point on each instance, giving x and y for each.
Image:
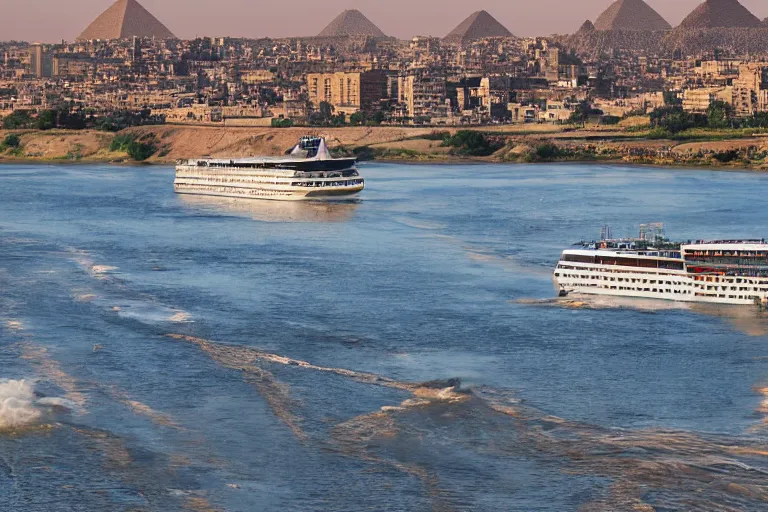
(508, 144)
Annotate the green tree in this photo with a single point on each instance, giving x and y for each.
(122, 142)
(46, 120)
(140, 151)
(18, 120)
(326, 110)
(11, 141)
(671, 98)
(324, 116)
(719, 115)
(472, 143)
(758, 120)
(282, 123)
(675, 120)
(357, 119)
(581, 114)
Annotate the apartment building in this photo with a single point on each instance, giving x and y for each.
(424, 96)
(699, 100)
(750, 90)
(40, 61)
(348, 92)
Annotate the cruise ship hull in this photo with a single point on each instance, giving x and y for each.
(679, 286)
(271, 194)
(276, 184)
(570, 289)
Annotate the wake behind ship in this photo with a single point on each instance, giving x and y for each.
(719, 272)
(308, 173)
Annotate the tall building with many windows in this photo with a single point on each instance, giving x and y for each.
(425, 96)
(348, 92)
(40, 61)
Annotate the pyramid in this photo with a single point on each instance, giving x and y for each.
(123, 20)
(631, 15)
(479, 25)
(721, 14)
(587, 26)
(351, 23)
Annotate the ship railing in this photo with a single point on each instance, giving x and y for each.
(729, 242)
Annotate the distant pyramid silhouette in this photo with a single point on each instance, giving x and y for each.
(631, 15)
(479, 25)
(721, 14)
(587, 26)
(351, 23)
(123, 20)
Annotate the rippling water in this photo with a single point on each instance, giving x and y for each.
(400, 352)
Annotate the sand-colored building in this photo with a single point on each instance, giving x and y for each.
(750, 90)
(348, 92)
(699, 100)
(73, 64)
(424, 96)
(39, 61)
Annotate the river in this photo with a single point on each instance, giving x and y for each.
(162, 352)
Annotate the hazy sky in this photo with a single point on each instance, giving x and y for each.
(54, 20)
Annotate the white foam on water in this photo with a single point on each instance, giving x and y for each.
(17, 408)
(85, 260)
(578, 301)
(14, 325)
(103, 269)
(146, 311)
(56, 403)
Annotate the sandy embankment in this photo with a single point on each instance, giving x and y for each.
(178, 142)
(174, 142)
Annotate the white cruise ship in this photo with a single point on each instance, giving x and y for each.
(308, 173)
(720, 272)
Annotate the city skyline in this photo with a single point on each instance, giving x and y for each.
(49, 21)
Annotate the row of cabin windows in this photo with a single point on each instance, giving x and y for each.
(240, 191)
(604, 286)
(703, 278)
(346, 183)
(620, 279)
(236, 180)
(610, 270)
(700, 286)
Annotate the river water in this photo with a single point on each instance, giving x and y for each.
(160, 352)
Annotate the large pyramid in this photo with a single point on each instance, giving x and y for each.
(631, 15)
(123, 20)
(479, 25)
(351, 23)
(721, 14)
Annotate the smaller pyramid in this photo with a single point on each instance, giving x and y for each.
(631, 15)
(721, 14)
(123, 20)
(587, 26)
(351, 23)
(479, 25)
